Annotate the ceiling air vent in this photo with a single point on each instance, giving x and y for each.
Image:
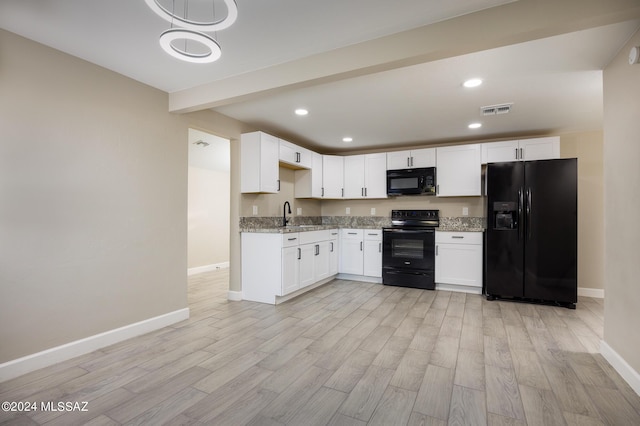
(496, 109)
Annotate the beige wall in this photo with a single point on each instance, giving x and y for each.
(622, 204)
(208, 217)
(93, 199)
(587, 148)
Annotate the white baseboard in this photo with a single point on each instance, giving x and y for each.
(627, 372)
(234, 296)
(459, 288)
(591, 292)
(207, 268)
(26, 364)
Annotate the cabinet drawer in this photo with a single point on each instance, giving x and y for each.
(352, 234)
(310, 237)
(292, 239)
(373, 234)
(459, 237)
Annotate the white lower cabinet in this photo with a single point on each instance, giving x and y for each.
(333, 253)
(459, 261)
(275, 265)
(361, 252)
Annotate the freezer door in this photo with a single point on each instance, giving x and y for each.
(504, 255)
(550, 230)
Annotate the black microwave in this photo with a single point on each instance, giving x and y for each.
(420, 181)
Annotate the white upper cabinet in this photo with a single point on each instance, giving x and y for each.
(521, 150)
(540, 148)
(332, 176)
(365, 176)
(259, 171)
(459, 170)
(416, 158)
(294, 156)
(309, 181)
(354, 176)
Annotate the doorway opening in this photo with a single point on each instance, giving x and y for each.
(208, 202)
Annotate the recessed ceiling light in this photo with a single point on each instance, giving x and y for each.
(475, 125)
(347, 139)
(474, 82)
(301, 111)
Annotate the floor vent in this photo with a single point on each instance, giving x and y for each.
(496, 109)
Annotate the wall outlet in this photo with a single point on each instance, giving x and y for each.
(348, 210)
(299, 211)
(255, 210)
(465, 211)
(373, 211)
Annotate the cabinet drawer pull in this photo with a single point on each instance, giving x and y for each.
(291, 239)
(299, 254)
(317, 249)
(459, 237)
(331, 246)
(352, 233)
(360, 245)
(375, 234)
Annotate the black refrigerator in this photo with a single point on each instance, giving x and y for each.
(532, 231)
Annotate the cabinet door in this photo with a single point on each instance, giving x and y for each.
(398, 160)
(497, 152)
(307, 263)
(459, 264)
(372, 265)
(375, 175)
(259, 172)
(321, 260)
(333, 255)
(540, 148)
(332, 176)
(288, 152)
(309, 182)
(351, 251)
(354, 176)
(423, 157)
(290, 270)
(459, 170)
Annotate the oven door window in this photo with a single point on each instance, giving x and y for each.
(407, 248)
(403, 183)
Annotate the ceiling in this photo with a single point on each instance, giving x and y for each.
(342, 61)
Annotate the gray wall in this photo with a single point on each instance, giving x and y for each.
(93, 199)
(622, 204)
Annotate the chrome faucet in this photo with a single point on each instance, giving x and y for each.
(284, 213)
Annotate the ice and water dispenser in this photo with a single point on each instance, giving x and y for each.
(505, 215)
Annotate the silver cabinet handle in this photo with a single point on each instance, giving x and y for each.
(408, 161)
(331, 246)
(379, 247)
(360, 245)
(317, 249)
(459, 237)
(437, 189)
(352, 233)
(436, 250)
(521, 154)
(342, 191)
(365, 192)
(299, 253)
(322, 192)
(291, 239)
(297, 157)
(411, 161)
(278, 184)
(516, 153)
(362, 192)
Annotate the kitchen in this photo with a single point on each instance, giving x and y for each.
(157, 218)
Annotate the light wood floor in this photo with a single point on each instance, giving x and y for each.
(348, 353)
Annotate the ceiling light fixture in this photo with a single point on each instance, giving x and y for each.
(301, 111)
(473, 82)
(191, 30)
(475, 125)
(347, 139)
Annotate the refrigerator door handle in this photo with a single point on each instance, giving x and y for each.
(529, 206)
(520, 222)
